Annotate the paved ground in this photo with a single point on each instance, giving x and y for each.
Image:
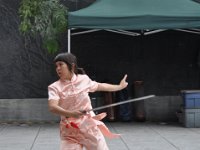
(135, 136)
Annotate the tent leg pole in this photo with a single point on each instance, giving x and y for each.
(69, 40)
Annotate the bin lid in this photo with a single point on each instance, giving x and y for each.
(190, 91)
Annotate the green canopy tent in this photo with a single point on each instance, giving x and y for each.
(147, 15)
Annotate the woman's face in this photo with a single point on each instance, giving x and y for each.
(63, 70)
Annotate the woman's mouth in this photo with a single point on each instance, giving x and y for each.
(59, 73)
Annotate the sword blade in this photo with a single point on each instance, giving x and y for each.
(120, 103)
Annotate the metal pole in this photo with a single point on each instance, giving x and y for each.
(69, 40)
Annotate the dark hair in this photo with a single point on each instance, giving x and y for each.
(69, 59)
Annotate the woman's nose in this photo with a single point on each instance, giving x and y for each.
(58, 68)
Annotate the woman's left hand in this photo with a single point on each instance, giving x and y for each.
(123, 83)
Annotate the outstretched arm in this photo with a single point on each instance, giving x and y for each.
(112, 87)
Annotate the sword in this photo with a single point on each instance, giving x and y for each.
(120, 103)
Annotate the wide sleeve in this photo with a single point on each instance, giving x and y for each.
(92, 85)
(53, 93)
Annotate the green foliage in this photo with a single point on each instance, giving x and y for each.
(48, 18)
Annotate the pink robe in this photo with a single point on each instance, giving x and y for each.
(73, 95)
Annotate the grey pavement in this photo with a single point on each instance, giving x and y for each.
(134, 136)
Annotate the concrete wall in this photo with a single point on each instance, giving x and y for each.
(159, 108)
(163, 108)
(25, 110)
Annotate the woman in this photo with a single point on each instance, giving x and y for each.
(68, 97)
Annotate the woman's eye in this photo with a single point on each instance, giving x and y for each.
(59, 64)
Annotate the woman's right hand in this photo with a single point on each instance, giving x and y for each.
(77, 114)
